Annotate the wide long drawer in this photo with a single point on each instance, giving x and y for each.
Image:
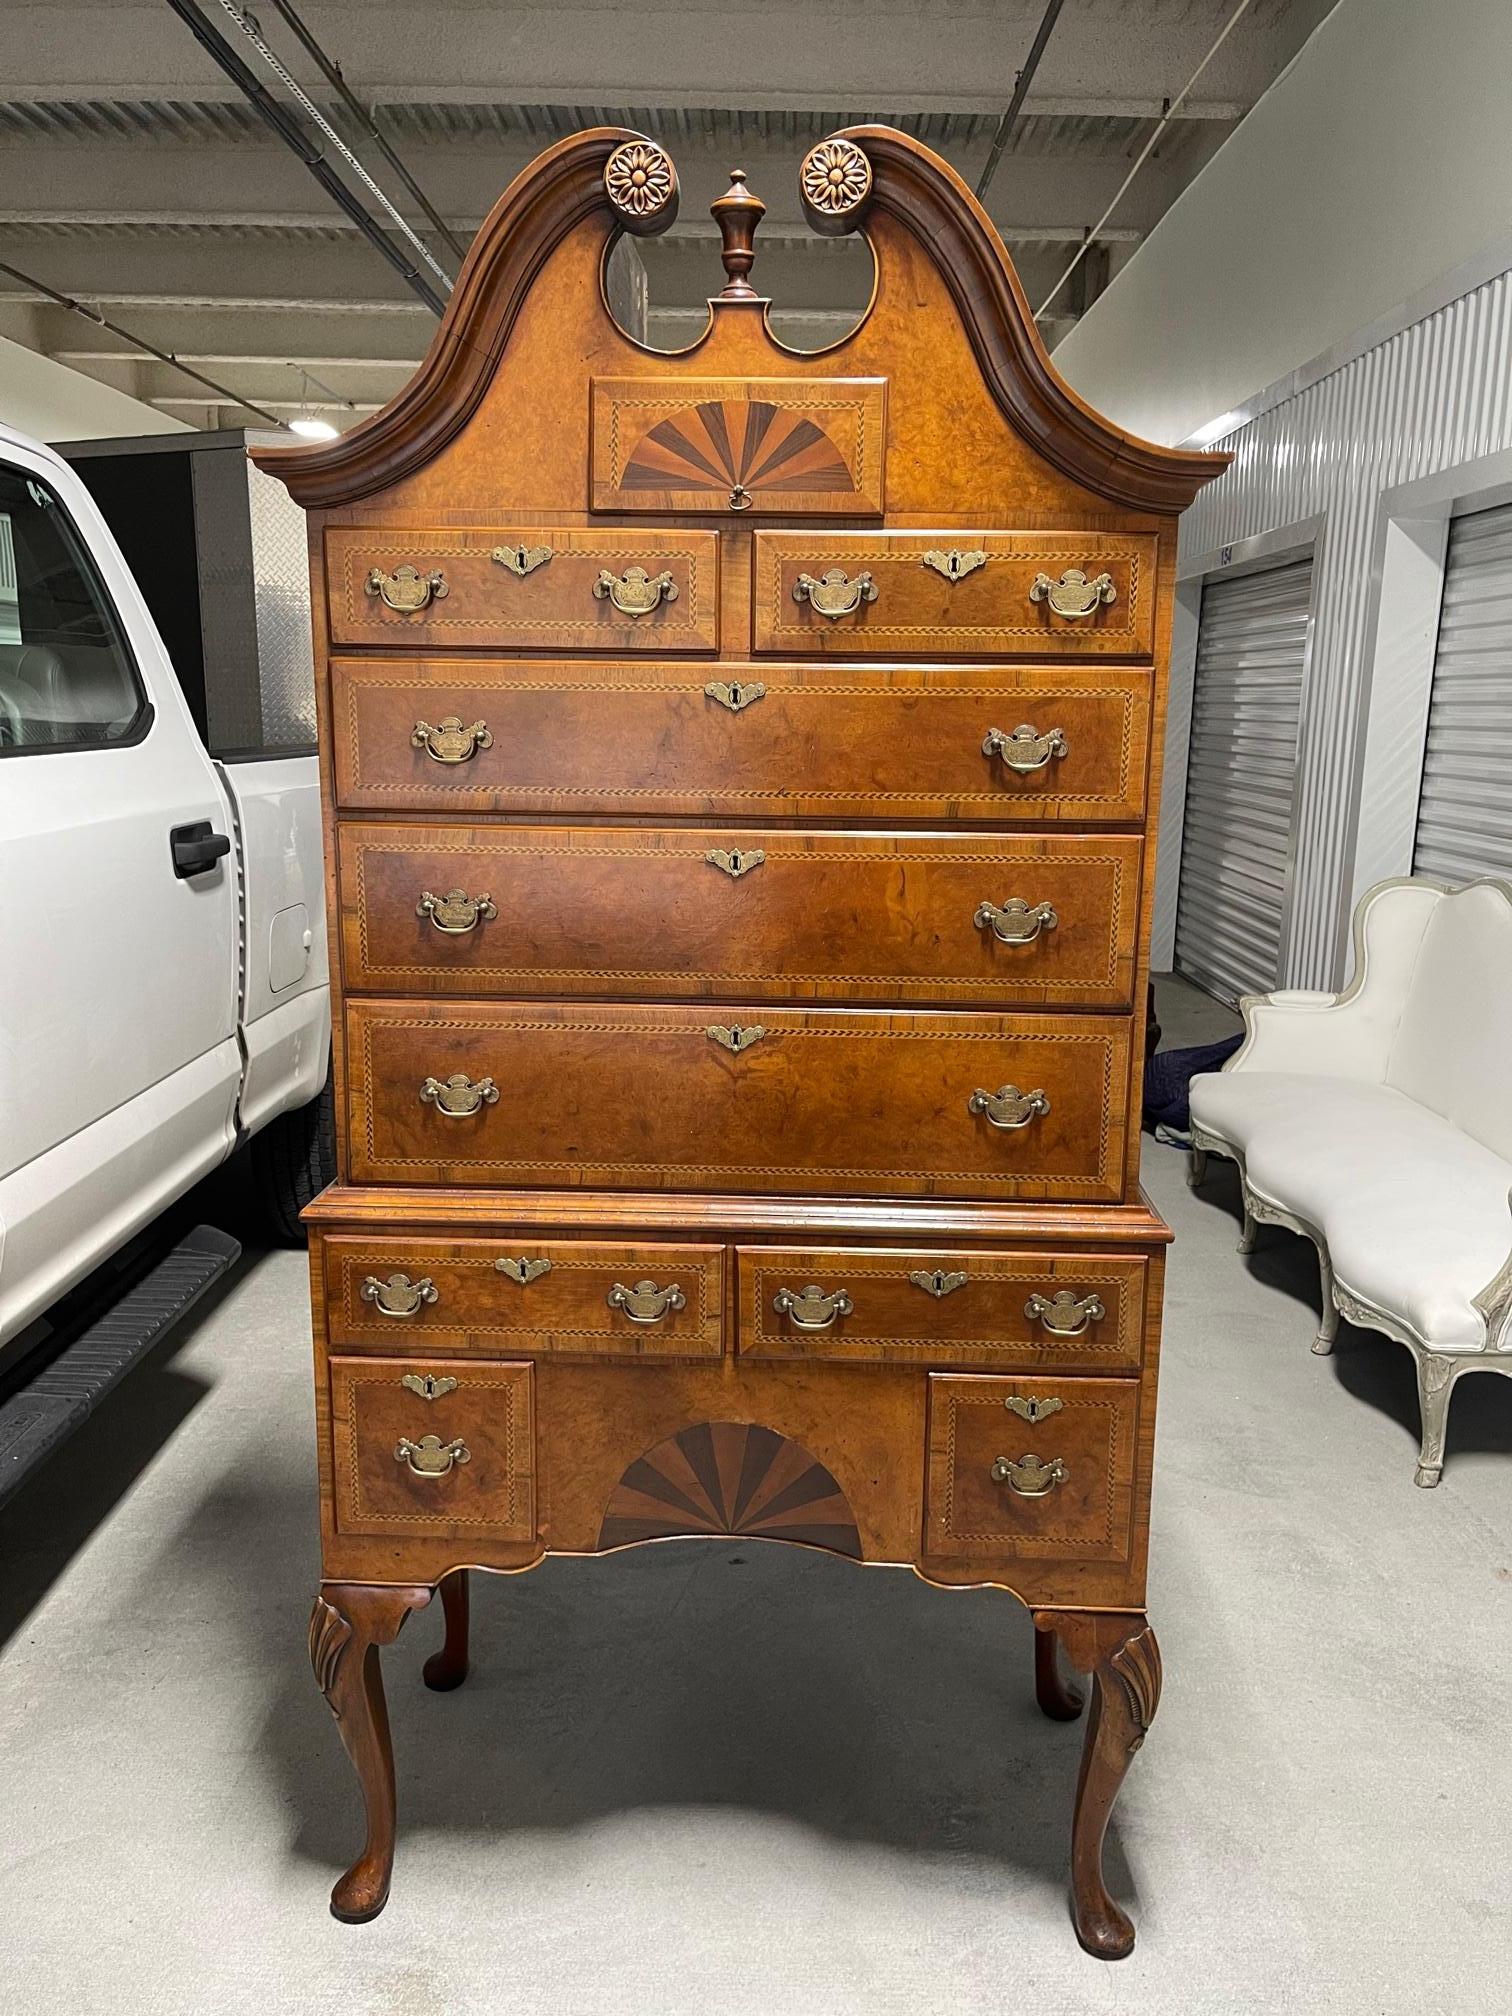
(1001, 744)
(845, 1102)
(993, 1311)
(1035, 594)
(525, 588)
(552, 1297)
(739, 913)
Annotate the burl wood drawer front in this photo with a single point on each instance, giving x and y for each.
(527, 1295)
(531, 587)
(994, 1310)
(739, 913)
(1030, 594)
(995, 745)
(845, 1102)
(1031, 1468)
(433, 1447)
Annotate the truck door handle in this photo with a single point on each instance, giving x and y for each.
(197, 847)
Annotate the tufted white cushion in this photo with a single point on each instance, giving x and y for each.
(1413, 1210)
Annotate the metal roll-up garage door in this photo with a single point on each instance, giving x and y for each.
(1241, 779)
(1464, 825)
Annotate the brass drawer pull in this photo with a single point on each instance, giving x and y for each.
(449, 741)
(813, 1309)
(456, 912)
(735, 862)
(954, 564)
(430, 1456)
(427, 1386)
(521, 560)
(1008, 1107)
(407, 589)
(1029, 1477)
(645, 1302)
(458, 1096)
(834, 593)
(523, 1271)
(736, 694)
(398, 1295)
(1063, 1314)
(1016, 922)
(635, 592)
(1075, 594)
(1025, 750)
(937, 1283)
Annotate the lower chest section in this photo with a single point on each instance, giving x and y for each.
(982, 1414)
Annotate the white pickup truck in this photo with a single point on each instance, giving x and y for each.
(163, 986)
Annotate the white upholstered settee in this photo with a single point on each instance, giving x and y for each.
(1378, 1122)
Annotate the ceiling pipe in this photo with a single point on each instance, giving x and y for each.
(224, 395)
(330, 69)
(1021, 85)
(288, 129)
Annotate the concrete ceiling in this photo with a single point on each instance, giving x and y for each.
(135, 176)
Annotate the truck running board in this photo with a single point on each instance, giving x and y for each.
(46, 1411)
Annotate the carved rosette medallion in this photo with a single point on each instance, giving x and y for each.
(329, 1633)
(641, 184)
(835, 180)
(1137, 1664)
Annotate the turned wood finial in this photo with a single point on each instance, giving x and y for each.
(737, 213)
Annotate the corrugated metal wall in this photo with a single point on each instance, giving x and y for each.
(1436, 394)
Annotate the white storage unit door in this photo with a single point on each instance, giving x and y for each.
(1241, 779)
(1464, 825)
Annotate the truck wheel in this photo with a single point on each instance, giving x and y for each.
(293, 1159)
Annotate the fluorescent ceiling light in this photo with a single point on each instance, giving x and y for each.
(313, 430)
(1226, 423)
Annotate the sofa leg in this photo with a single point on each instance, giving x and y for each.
(1247, 1233)
(1328, 1327)
(1435, 1384)
(1196, 1167)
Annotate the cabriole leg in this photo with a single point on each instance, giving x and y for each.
(1056, 1696)
(349, 1623)
(1120, 1652)
(1247, 1233)
(1435, 1384)
(1196, 1167)
(448, 1667)
(1328, 1327)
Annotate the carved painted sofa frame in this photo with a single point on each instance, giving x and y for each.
(1299, 1028)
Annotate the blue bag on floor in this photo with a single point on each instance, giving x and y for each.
(1168, 1077)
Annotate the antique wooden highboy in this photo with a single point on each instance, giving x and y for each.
(740, 776)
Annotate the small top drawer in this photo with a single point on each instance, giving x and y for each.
(919, 594)
(999, 1311)
(524, 587)
(527, 1297)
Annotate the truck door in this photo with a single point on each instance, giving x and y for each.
(119, 1064)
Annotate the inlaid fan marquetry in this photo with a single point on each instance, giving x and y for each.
(738, 445)
(730, 1477)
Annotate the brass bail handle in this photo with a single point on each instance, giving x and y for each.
(635, 592)
(1026, 749)
(1065, 1313)
(645, 1302)
(834, 593)
(1016, 922)
(1008, 1108)
(449, 741)
(1029, 1476)
(458, 1095)
(430, 1456)
(456, 912)
(398, 1295)
(1076, 594)
(812, 1309)
(406, 590)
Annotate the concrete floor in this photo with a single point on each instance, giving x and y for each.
(713, 1778)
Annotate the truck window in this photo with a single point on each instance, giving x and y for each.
(67, 680)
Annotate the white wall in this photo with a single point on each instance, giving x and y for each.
(47, 400)
(1381, 159)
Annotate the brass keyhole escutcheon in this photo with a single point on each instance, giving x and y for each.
(521, 560)
(954, 563)
(737, 694)
(734, 862)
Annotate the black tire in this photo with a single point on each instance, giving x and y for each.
(293, 1159)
